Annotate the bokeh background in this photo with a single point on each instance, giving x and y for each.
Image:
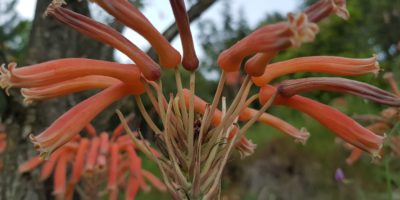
(280, 168)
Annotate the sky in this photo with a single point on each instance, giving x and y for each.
(160, 14)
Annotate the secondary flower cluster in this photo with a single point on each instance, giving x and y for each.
(197, 138)
(95, 161)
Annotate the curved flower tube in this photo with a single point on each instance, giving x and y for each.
(322, 64)
(73, 121)
(301, 135)
(289, 88)
(92, 155)
(77, 167)
(189, 61)
(56, 71)
(129, 15)
(68, 87)
(113, 171)
(340, 124)
(392, 82)
(322, 9)
(107, 35)
(60, 177)
(273, 37)
(30, 164)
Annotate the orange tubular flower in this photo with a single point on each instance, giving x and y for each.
(73, 121)
(190, 60)
(30, 164)
(77, 167)
(154, 180)
(289, 88)
(270, 38)
(322, 64)
(91, 130)
(109, 36)
(393, 84)
(301, 135)
(56, 71)
(92, 155)
(131, 188)
(50, 164)
(354, 156)
(324, 8)
(67, 87)
(255, 65)
(113, 170)
(342, 125)
(60, 177)
(129, 15)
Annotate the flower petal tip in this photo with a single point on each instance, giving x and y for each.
(303, 137)
(340, 9)
(5, 76)
(44, 154)
(303, 30)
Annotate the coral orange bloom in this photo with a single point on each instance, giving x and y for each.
(68, 87)
(273, 37)
(190, 60)
(354, 156)
(113, 168)
(289, 88)
(56, 71)
(60, 177)
(79, 161)
(342, 125)
(154, 180)
(109, 36)
(255, 66)
(324, 8)
(322, 64)
(129, 15)
(73, 121)
(92, 155)
(301, 135)
(30, 164)
(393, 84)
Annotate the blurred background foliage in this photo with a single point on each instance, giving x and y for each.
(281, 169)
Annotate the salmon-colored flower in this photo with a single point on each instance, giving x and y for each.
(44, 75)
(342, 125)
(322, 64)
(109, 36)
(289, 88)
(190, 60)
(67, 87)
(73, 121)
(301, 135)
(389, 77)
(270, 38)
(130, 16)
(322, 9)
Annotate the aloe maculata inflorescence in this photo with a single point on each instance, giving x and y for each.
(196, 138)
